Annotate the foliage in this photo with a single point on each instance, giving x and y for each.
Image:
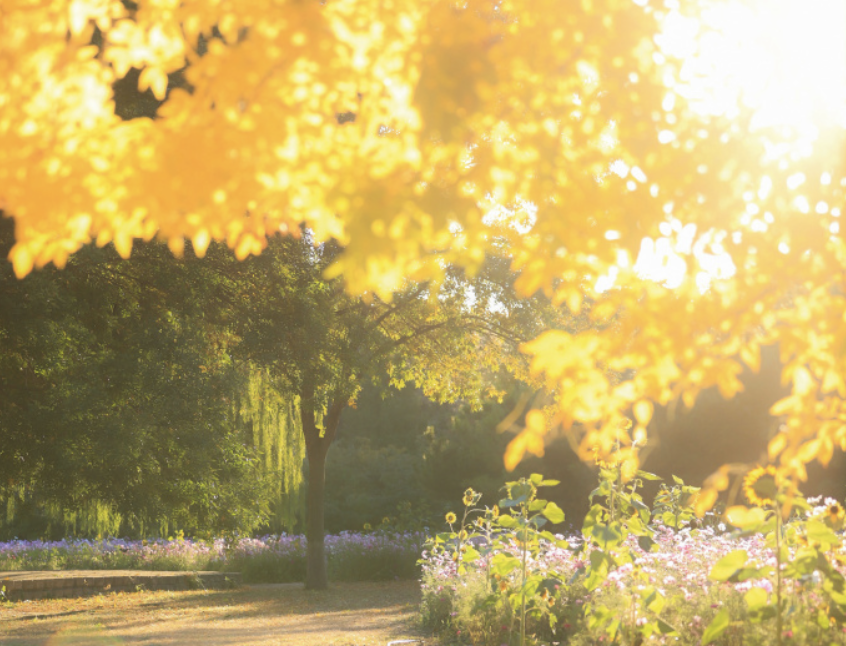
(634, 578)
(399, 456)
(116, 406)
(427, 135)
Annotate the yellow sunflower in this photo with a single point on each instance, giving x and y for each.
(469, 497)
(760, 486)
(835, 515)
(450, 518)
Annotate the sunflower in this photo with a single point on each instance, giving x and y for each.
(450, 518)
(835, 515)
(760, 486)
(469, 497)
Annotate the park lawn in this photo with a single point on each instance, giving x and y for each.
(348, 614)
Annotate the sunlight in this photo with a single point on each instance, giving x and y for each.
(785, 59)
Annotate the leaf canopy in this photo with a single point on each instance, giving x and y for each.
(423, 134)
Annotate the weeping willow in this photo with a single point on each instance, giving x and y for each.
(268, 419)
(272, 418)
(92, 518)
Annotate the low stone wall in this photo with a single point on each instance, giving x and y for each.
(40, 585)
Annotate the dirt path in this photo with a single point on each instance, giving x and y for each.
(348, 614)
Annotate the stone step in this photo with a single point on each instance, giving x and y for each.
(20, 586)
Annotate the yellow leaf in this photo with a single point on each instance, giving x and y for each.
(718, 481)
(514, 452)
(776, 445)
(155, 79)
(200, 242)
(643, 412)
(123, 244)
(176, 244)
(536, 422)
(574, 301)
(825, 451)
(22, 260)
(833, 381)
(808, 451)
(803, 382)
(785, 405)
(704, 501)
(751, 355)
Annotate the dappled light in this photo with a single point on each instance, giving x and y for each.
(230, 219)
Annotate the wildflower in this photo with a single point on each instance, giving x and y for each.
(469, 497)
(450, 518)
(760, 486)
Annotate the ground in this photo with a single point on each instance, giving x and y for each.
(348, 614)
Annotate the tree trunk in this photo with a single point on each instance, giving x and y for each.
(317, 446)
(316, 576)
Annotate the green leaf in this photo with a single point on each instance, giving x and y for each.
(506, 521)
(607, 536)
(648, 476)
(537, 505)
(822, 619)
(646, 543)
(654, 601)
(503, 564)
(470, 555)
(665, 628)
(554, 513)
(728, 566)
(716, 628)
(755, 598)
(821, 533)
(678, 480)
(612, 629)
(592, 518)
(549, 483)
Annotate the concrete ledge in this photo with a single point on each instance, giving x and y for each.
(78, 583)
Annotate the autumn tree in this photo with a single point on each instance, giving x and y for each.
(414, 134)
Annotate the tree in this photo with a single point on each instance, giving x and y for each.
(321, 344)
(406, 132)
(116, 393)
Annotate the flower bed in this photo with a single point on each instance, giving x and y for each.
(275, 558)
(636, 575)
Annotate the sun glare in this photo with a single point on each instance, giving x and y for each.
(785, 59)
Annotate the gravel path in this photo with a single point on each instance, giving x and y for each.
(348, 614)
